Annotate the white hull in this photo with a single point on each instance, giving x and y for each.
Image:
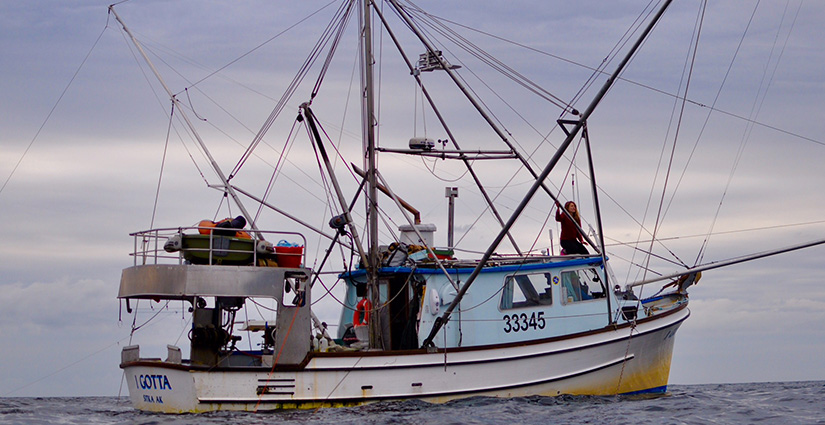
(599, 363)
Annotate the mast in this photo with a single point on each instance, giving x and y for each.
(369, 162)
(441, 320)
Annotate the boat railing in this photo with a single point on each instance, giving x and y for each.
(150, 247)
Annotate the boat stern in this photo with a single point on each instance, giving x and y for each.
(158, 386)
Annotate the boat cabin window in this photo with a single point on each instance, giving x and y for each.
(526, 290)
(580, 285)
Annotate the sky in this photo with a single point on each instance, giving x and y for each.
(83, 132)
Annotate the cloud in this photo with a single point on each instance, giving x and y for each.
(55, 306)
(90, 177)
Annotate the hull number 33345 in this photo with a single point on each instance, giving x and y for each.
(523, 322)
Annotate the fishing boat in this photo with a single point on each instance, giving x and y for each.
(417, 320)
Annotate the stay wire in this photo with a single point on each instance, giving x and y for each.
(636, 83)
(515, 111)
(677, 105)
(597, 71)
(703, 246)
(162, 167)
(614, 51)
(712, 107)
(475, 94)
(755, 109)
(291, 88)
(232, 62)
(467, 86)
(700, 253)
(436, 22)
(277, 168)
(699, 20)
(531, 156)
(341, 26)
(139, 63)
(695, 47)
(54, 107)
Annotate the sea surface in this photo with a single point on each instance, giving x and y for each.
(784, 403)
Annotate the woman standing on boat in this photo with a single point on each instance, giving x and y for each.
(572, 241)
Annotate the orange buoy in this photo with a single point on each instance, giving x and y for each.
(205, 227)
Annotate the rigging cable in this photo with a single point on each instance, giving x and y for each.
(755, 109)
(383, 216)
(228, 113)
(336, 40)
(435, 23)
(54, 107)
(687, 78)
(161, 103)
(485, 58)
(634, 27)
(162, 167)
(478, 106)
(704, 126)
(276, 170)
(261, 45)
(442, 32)
(683, 82)
(482, 55)
(648, 87)
(341, 16)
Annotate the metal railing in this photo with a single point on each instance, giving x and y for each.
(149, 244)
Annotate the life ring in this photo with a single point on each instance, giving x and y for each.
(362, 313)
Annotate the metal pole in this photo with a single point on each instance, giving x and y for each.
(440, 321)
(189, 124)
(451, 193)
(438, 115)
(372, 190)
(343, 202)
(727, 263)
(478, 107)
(595, 189)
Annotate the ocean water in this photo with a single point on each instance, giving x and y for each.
(785, 403)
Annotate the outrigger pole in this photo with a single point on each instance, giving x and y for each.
(457, 81)
(726, 263)
(440, 321)
(310, 117)
(227, 187)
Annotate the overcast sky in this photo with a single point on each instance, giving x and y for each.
(77, 187)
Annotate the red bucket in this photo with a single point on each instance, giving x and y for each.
(289, 256)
